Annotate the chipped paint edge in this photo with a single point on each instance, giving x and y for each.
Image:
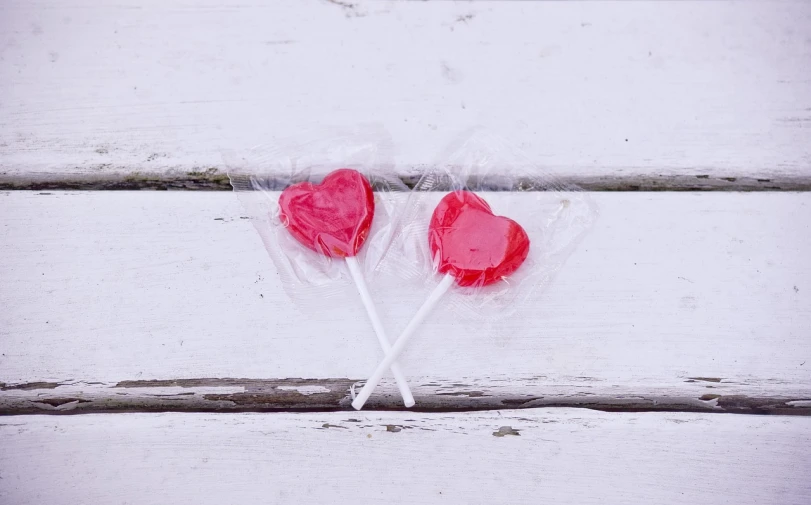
(432, 395)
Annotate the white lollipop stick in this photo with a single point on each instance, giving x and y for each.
(363, 290)
(398, 346)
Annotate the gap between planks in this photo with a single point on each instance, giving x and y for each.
(696, 394)
(216, 179)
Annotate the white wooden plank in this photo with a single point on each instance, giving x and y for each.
(670, 298)
(655, 92)
(542, 456)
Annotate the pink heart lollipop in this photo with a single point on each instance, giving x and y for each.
(472, 247)
(333, 218)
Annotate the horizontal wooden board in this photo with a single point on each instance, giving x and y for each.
(612, 95)
(536, 456)
(697, 301)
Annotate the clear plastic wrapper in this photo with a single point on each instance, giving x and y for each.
(499, 224)
(327, 173)
(483, 222)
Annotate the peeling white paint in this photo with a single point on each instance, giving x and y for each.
(305, 390)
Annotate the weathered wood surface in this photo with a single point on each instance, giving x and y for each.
(695, 394)
(612, 95)
(673, 300)
(148, 302)
(561, 456)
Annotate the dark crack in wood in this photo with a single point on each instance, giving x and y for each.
(216, 179)
(333, 394)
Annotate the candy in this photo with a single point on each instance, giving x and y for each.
(472, 247)
(472, 244)
(332, 218)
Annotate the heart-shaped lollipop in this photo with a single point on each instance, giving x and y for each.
(331, 218)
(472, 247)
(472, 244)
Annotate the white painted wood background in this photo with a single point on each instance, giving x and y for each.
(560, 456)
(144, 302)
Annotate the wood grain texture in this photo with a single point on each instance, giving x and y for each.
(673, 300)
(613, 95)
(535, 456)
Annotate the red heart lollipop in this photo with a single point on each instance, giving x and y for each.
(473, 245)
(332, 218)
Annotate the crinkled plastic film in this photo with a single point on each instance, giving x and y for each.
(311, 272)
(479, 171)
